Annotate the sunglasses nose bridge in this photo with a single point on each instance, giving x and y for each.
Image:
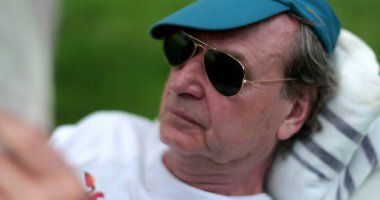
(198, 45)
(197, 49)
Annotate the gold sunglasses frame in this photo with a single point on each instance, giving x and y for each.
(199, 43)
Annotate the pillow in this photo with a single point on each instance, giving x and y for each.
(367, 175)
(334, 162)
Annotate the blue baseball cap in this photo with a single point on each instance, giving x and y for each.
(218, 15)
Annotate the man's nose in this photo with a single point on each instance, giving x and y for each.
(189, 79)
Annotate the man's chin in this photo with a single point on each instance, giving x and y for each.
(180, 141)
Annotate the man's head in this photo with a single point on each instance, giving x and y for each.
(196, 119)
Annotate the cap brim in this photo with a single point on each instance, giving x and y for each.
(216, 15)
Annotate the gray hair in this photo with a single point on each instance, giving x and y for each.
(309, 65)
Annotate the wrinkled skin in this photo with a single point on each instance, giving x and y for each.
(225, 144)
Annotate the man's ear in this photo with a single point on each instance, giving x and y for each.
(298, 113)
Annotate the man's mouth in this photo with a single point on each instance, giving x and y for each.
(182, 114)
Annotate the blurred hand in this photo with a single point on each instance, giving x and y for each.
(29, 167)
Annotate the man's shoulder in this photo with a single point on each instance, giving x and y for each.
(103, 145)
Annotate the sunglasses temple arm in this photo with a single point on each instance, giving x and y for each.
(269, 80)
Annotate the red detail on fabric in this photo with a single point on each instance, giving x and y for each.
(96, 196)
(90, 183)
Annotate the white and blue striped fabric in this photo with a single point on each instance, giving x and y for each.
(334, 163)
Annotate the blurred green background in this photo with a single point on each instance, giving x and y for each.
(105, 59)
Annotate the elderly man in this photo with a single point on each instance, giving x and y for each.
(248, 78)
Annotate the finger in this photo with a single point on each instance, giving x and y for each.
(3, 195)
(64, 188)
(28, 146)
(14, 184)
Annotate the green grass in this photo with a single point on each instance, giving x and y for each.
(362, 18)
(105, 59)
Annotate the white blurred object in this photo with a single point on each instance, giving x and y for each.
(341, 160)
(26, 59)
(370, 189)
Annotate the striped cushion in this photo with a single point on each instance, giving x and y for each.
(333, 163)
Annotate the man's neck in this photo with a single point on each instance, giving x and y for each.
(235, 178)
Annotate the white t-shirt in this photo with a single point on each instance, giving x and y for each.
(123, 154)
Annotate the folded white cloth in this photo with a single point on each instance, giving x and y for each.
(367, 178)
(334, 162)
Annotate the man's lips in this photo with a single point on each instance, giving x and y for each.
(182, 114)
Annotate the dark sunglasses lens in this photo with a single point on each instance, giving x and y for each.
(224, 72)
(178, 47)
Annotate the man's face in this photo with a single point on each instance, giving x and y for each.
(196, 120)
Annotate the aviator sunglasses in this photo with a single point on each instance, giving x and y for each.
(225, 73)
